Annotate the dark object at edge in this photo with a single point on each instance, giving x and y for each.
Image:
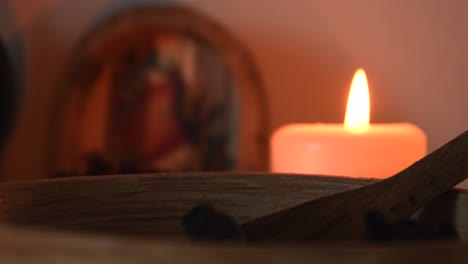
(7, 95)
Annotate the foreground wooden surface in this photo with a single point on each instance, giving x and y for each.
(149, 207)
(152, 205)
(22, 246)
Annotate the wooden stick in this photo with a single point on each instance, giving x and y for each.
(342, 215)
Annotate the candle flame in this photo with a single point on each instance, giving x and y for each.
(358, 109)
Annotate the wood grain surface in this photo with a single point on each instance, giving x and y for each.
(152, 205)
(136, 219)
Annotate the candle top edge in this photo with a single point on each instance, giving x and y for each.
(398, 128)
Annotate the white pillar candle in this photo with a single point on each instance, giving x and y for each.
(355, 148)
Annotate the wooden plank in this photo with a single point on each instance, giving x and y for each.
(152, 205)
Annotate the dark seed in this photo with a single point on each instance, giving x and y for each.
(204, 223)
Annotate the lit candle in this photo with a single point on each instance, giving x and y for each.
(355, 148)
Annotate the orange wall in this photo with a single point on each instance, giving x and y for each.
(415, 53)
